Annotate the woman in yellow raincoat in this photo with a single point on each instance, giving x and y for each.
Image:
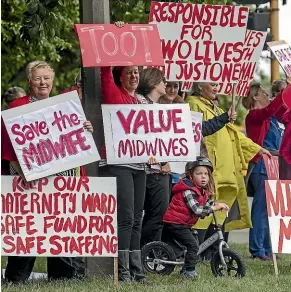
(230, 151)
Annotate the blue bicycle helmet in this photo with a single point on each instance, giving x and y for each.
(200, 161)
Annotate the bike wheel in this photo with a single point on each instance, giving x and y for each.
(235, 266)
(157, 250)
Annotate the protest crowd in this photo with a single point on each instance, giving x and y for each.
(155, 200)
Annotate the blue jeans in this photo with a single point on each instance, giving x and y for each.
(259, 236)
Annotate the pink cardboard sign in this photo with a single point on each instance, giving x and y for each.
(109, 45)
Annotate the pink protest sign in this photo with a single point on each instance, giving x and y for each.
(272, 166)
(109, 45)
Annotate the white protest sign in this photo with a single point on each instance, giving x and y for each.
(186, 86)
(253, 46)
(59, 216)
(134, 133)
(282, 52)
(201, 42)
(179, 167)
(278, 196)
(48, 136)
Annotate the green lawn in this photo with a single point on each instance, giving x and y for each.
(260, 278)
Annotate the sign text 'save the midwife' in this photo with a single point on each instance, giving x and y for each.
(45, 150)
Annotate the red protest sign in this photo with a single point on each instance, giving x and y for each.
(272, 166)
(59, 216)
(278, 197)
(109, 45)
(287, 96)
(201, 42)
(253, 46)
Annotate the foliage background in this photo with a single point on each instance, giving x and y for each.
(43, 30)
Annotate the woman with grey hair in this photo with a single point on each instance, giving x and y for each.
(40, 77)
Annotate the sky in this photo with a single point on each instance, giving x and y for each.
(284, 32)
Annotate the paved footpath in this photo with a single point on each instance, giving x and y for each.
(240, 236)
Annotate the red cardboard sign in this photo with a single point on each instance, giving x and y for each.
(278, 197)
(59, 216)
(272, 166)
(109, 45)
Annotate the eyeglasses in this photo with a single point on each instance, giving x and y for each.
(79, 83)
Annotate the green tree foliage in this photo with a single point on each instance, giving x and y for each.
(38, 30)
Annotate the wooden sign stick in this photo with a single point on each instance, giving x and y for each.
(275, 264)
(238, 102)
(115, 273)
(233, 99)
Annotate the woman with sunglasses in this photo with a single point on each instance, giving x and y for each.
(262, 127)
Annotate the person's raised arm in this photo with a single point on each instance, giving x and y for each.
(110, 91)
(213, 125)
(275, 108)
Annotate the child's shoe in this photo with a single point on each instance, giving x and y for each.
(189, 274)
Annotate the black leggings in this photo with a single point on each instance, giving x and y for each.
(131, 185)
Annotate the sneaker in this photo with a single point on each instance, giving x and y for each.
(262, 258)
(189, 274)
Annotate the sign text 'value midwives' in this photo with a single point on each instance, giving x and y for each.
(137, 132)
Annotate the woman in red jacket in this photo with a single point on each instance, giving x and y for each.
(119, 87)
(190, 202)
(263, 128)
(40, 77)
(285, 149)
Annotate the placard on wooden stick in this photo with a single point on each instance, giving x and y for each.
(60, 216)
(252, 49)
(282, 52)
(278, 197)
(201, 42)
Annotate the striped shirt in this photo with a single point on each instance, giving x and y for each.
(137, 166)
(193, 205)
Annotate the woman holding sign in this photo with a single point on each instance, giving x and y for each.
(230, 151)
(152, 86)
(40, 77)
(119, 87)
(262, 127)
